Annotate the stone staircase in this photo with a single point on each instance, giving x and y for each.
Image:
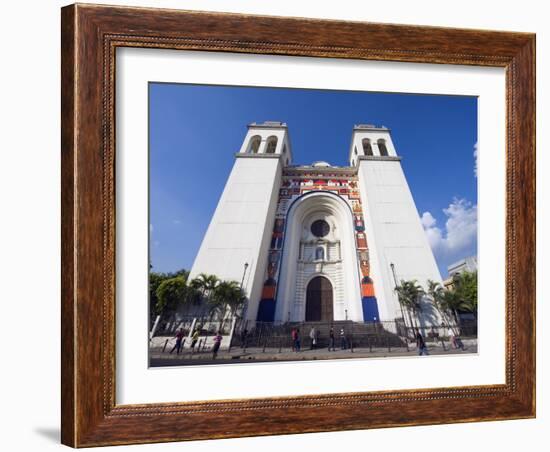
(373, 334)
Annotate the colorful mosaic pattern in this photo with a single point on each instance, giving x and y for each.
(295, 184)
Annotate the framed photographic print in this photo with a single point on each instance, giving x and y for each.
(308, 225)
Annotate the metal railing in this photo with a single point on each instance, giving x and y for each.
(279, 338)
(205, 325)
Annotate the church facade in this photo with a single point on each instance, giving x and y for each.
(318, 242)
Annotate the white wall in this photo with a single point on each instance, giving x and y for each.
(394, 234)
(29, 182)
(241, 226)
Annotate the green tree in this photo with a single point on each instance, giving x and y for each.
(205, 284)
(183, 273)
(465, 287)
(409, 294)
(451, 303)
(170, 294)
(462, 296)
(437, 293)
(155, 280)
(229, 296)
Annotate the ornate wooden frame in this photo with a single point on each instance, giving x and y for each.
(90, 35)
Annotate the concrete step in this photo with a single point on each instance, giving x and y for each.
(360, 334)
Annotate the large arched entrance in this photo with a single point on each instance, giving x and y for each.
(319, 300)
(312, 249)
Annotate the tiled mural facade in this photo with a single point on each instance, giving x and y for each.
(295, 184)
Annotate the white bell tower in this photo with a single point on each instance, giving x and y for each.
(241, 227)
(392, 223)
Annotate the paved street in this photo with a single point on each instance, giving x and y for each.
(257, 354)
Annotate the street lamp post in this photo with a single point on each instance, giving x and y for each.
(244, 273)
(395, 287)
(241, 288)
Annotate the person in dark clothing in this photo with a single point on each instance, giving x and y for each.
(421, 344)
(179, 339)
(331, 340)
(244, 338)
(216, 346)
(297, 345)
(293, 337)
(343, 339)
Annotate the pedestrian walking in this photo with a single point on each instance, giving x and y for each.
(313, 338)
(298, 344)
(421, 344)
(179, 339)
(459, 343)
(244, 338)
(194, 339)
(293, 336)
(217, 342)
(343, 340)
(331, 340)
(452, 337)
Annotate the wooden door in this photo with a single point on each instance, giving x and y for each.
(319, 300)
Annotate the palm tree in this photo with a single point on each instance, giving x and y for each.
(235, 298)
(462, 296)
(451, 302)
(205, 284)
(409, 294)
(227, 297)
(437, 293)
(465, 286)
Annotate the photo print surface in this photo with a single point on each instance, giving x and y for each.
(294, 224)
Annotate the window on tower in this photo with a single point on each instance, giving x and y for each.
(382, 147)
(254, 144)
(367, 147)
(271, 145)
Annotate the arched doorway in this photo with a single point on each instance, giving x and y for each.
(299, 261)
(319, 300)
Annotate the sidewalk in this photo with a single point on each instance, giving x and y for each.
(258, 354)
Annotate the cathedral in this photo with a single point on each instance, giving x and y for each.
(318, 242)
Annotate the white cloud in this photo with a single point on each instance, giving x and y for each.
(176, 221)
(459, 235)
(427, 220)
(476, 150)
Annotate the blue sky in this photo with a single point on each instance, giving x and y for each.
(195, 130)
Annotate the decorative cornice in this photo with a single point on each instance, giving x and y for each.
(257, 156)
(321, 170)
(387, 158)
(370, 128)
(268, 125)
